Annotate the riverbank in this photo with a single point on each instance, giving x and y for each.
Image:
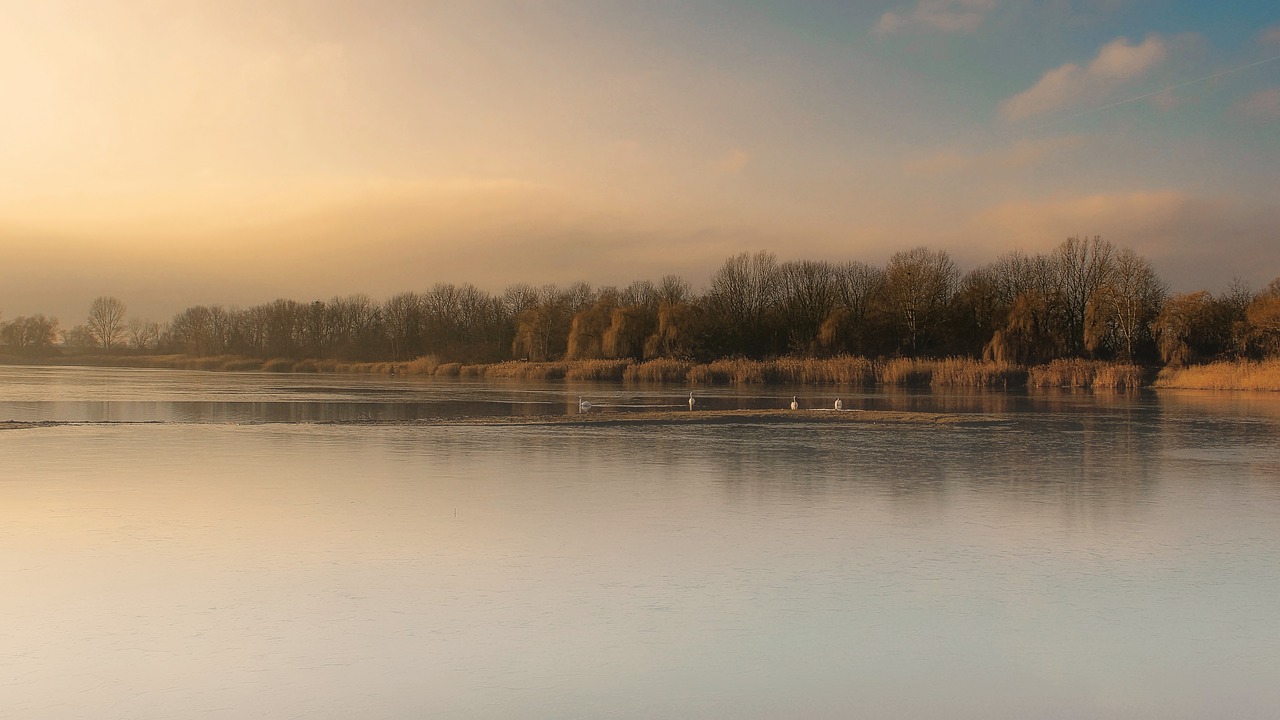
(739, 417)
(652, 418)
(844, 371)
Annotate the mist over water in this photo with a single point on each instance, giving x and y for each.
(222, 548)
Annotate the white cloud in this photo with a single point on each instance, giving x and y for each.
(1117, 63)
(941, 16)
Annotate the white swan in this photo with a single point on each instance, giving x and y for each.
(692, 402)
(794, 405)
(583, 405)
(839, 404)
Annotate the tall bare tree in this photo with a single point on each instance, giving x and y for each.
(143, 334)
(1082, 268)
(29, 333)
(106, 321)
(743, 294)
(1124, 307)
(846, 327)
(808, 297)
(918, 286)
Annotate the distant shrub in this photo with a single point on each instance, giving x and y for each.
(842, 370)
(711, 374)
(448, 370)
(242, 364)
(323, 366)
(967, 373)
(1078, 373)
(596, 369)
(425, 365)
(522, 370)
(736, 371)
(473, 371)
(278, 365)
(661, 370)
(905, 372)
(1118, 377)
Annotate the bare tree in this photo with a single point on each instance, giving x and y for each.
(808, 297)
(1124, 308)
(1082, 268)
(29, 333)
(403, 314)
(106, 321)
(743, 293)
(918, 286)
(846, 327)
(79, 337)
(144, 334)
(673, 289)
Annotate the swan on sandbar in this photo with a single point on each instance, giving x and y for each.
(692, 402)
(794, 405)
(839, 404)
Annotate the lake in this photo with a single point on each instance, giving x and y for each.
(234, 545)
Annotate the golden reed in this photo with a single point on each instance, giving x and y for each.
(844, 370)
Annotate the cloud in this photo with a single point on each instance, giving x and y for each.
(1020, 155)
(939, 16)
(1263, 105)
(1117, 63)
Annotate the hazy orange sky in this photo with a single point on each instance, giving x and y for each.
(175, 152)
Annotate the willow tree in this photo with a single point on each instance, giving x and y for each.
(1189, 329)
(588, 329)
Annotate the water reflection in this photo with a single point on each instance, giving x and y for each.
(1096, 556)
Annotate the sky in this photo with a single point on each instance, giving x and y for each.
(181, 152)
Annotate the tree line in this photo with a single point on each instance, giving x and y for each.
(1085, 298)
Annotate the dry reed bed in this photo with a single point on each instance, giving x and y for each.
(1076, 373)
(1261, 376)
(847, 371)
(844, 370)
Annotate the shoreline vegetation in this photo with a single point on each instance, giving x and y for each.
(659, 417)
(1087, 314)
(847, 371)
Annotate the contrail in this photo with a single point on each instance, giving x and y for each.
(1144, 96)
